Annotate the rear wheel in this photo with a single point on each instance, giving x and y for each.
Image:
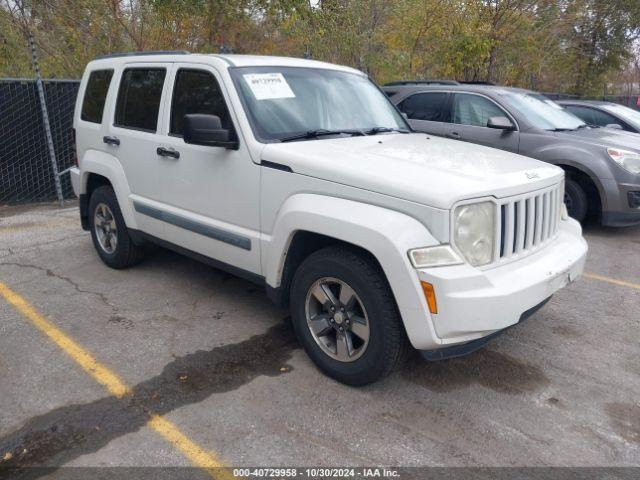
(345, 316)
(575, 199)
(109, 232)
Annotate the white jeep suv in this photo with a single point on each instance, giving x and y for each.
(303, 177)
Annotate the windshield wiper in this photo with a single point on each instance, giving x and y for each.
(375, 130)
(320, 133)
(563, 129)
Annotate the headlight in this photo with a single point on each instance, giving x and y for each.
(437, 256)
(474, 231)
(630, 161)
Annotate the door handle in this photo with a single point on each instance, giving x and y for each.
(111, 140)
(454, 135)
(167, 152)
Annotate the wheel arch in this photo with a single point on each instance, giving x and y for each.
(302, 244)
(99, 169)
(308, 222)
(589, 182)
(91, 181)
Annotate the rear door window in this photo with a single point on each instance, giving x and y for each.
(426, 106)
(139, 98)
(95, 95)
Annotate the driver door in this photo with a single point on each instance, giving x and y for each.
(469, 116)
(210, 194)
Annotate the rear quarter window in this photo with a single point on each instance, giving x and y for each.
(95, 95)
(139, 98)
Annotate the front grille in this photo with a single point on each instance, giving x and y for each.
(527, 222)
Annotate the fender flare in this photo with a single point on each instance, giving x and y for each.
(386, 234)
(589, 173)
(108, 166)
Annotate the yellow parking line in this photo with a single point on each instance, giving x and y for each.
(188, 447)
(612, 281)
(101, 374)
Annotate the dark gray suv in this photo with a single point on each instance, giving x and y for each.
(602, 165)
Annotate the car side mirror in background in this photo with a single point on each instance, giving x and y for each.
(201, 129)
(501, 123)
(614, 125)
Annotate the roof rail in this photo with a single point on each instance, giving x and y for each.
(421, 82)
(476, 82)
(136, 54)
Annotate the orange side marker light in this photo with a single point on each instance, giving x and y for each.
(430, 295)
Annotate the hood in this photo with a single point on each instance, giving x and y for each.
(604, 137)
(417, 167)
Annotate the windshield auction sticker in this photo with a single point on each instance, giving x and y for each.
(268, 86)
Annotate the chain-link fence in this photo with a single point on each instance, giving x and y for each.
(26, 173)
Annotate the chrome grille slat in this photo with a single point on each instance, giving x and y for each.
(522, 221)
(538, 220)
(531, 218)
(508, 235)
(545, 216)
(552, 223)
(556, 211)
(527, 222)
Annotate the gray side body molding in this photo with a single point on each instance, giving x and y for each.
(197, 227)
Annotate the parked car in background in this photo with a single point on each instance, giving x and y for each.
(303, 177)
(602, 164)
(604, 114)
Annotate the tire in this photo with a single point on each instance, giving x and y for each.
(387, 343)
(575, 200)
(122, 252)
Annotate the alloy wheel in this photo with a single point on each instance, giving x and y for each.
(105, 228)
(337, 319)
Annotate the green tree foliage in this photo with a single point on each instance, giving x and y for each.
(575, 46)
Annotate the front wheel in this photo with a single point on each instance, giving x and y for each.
(345, 316)
(575, 199)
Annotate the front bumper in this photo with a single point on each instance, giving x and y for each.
(618, 211)
(462, 349)
(474, 303)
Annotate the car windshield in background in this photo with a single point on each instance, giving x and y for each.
(629, 114)
(542, 112)
(291, 103)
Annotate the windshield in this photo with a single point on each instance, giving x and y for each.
(629, 114)
(285, 102)
(542, 112)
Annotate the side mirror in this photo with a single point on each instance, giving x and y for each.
(615, 126)
(501, 123)
(201, 129)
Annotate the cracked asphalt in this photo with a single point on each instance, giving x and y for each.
(209, 352)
